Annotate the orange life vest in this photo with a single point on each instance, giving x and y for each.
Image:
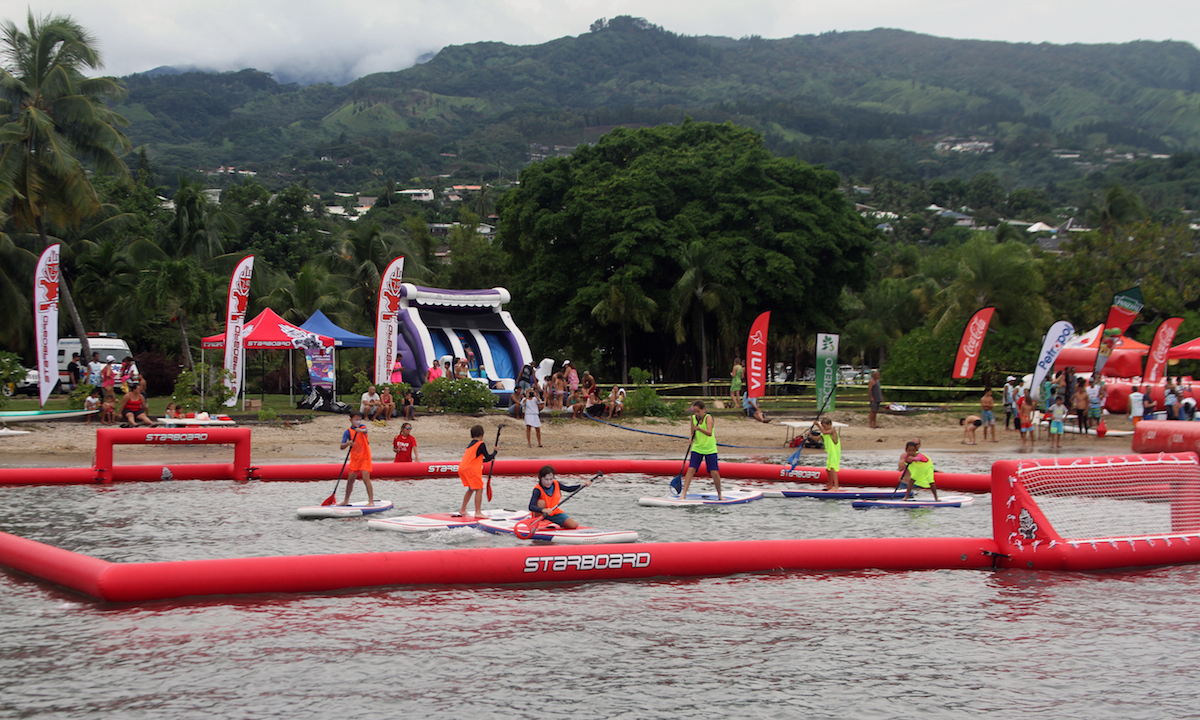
(552, 498)
(471, 466)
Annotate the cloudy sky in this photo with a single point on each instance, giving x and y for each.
(339, 41)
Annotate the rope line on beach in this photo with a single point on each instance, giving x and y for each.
(680, 437)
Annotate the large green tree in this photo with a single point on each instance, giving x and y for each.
(779, 233)
(57, 126)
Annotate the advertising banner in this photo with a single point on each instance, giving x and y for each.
(827, 371)
(387, 321)
(235, 320)
(1060, 332)
(45, 321)
(971, 344)
(756, 356)
(1156, 363)
(1125, 307)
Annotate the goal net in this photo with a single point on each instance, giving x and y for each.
(1102, 498)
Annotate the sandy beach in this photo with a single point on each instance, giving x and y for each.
(442, 437)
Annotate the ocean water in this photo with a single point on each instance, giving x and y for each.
(862, 644)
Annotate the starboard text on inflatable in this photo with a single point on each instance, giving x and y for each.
(607, 561)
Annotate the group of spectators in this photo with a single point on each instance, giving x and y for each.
(563, 390)
(381, 407)
(107, 378)
(1178, 402)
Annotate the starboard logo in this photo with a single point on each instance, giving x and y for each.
(443, 468)
(809, 474)
(563, 563)
(48, 283)
(176, 437)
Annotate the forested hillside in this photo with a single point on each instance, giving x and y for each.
(870, 105)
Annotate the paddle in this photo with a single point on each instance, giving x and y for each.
(794, 459)
(900, 482)
(333, 496)
(677, 481)
(525, 529)
(496, 450)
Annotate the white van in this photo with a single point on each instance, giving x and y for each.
(104, 343)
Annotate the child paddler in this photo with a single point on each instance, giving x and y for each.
(355, 438)
(920, 470)
(704, 447)
(470, 470)
(831, 439)
(547, 496)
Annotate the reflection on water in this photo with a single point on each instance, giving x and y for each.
(822, 645)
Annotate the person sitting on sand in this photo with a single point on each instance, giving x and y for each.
(133, 410)
(969, 424)
(750, 407)
(108, 409)
(387, 405)
(92, 402)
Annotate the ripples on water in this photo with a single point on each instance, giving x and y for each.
(823, 645)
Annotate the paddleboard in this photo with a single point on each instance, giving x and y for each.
(732, 497)
(945, 501)
(5, 432)
(33, 415)
(834, 495)
(357, 509)
(558, 536)
(440, 521)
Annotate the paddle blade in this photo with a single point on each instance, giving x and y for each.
(329, 500)
(489, 488)
(526, 528)
(677, 484)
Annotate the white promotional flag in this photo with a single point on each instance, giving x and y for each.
(1056, 339)
(235, 319)
(45, 316)
(387, 321)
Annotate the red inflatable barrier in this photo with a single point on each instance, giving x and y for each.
(1166, 436)
(106, 438)
(141, 582)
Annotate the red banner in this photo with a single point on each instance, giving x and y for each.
(235, 320)
(756, 356)
(971, 344)
(45, 313)
(387, 320)
(1156, 363)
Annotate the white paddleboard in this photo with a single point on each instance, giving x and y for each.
(552, 533)
(835, 494)
(944, 501)
(440, 521)
(357, 509)
(5, 432)
(735, 496)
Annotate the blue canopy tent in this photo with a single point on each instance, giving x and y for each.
(322, 325)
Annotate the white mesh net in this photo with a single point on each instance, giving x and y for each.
(1095, 499)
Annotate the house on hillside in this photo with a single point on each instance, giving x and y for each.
(420, 195)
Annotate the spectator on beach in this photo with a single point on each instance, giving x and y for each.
(1081, 403)
(95, 368)
(969, 424)
(1025, 423)
(571, 375)
(1095, 395)
(133, 409)
(987, 413)
(408, 406)
(108, 376)
(369, 403)
(532, 406)
(525, 378)
(616, 403)
(387, 405)
(92, 402)
(73, 371)
(434, 372)
(875, 393)
(593, 404)
(735, 382)
(108, 409)
(405, 445)
(1058, 416)
(1010, 402)
(1169, 400)
(751, 409)
(1136, 405)
(559, 387)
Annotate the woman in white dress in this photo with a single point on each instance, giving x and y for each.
(532, 406)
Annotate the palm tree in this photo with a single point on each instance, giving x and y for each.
(313, 288)
(624, 302)
(16, 277)
(179, 288)
(107, 277)
(1004, 275)
(1117, 206)
(56, 119)
(694, 294)
(197, 226)
(361, 254)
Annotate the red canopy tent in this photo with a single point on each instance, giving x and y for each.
(1187, 351)
(268, 331)
(1125, 362)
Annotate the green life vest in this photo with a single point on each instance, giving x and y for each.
(701, 443)
(921, 471)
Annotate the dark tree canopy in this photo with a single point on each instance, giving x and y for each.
(782, 235)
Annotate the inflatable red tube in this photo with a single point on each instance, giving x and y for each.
(1167, 436)
(141, 582)
(48, 476)
(55, 565)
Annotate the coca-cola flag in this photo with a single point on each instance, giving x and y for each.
(387, 321)
(235, 320)
(45, 320)
(1156, 363)
(972, 343)
(756, 356)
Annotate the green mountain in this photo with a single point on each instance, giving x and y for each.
(475, 110)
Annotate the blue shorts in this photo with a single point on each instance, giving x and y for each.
(1056, 427)
(558, 518)
(710, 461)
(988, 417)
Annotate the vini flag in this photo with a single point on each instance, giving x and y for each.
(45, 321)
(1163, 337)
(387, 320)
(235, 320)
(972, 344)
(756, 356)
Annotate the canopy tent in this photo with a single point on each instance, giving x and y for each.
(322, 325)
(1080, 353)
(268, 331)
(1189, 350)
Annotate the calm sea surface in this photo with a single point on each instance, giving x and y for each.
(870, 644)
